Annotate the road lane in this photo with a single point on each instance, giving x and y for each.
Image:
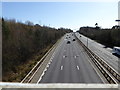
(85, 67)
(101, 51)
(55, 65)
(70, 65)
(48, 59)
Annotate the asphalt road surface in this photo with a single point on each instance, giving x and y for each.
(70, 64)
(101, 51)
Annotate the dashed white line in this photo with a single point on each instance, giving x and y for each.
(56, 50)
(61, 68)
(64, 56)
(74, 56)
(78, 67)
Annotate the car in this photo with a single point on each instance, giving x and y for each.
(68, 42)
(73, 39)
(116, 51)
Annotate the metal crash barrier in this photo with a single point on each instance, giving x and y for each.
(108, 72)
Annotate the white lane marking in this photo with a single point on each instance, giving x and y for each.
(96, 71)
(50, 60)
(56, 50)
(47, 65)
(51, 57)
(45, 70)
(61, 68)
(40, 77)
(78, 67)
(64, 56)
(74, 56)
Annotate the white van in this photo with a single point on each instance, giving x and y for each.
(116, 50)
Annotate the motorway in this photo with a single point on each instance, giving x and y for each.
(70, 64)
(101, 51)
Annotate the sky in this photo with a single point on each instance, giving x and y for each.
(71, 15)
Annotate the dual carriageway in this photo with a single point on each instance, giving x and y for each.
(75, 62)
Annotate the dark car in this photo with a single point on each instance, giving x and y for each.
(73, 39)
(68, 42)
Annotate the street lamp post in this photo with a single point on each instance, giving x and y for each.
(118, 14)
(87, 37)
(117, 21)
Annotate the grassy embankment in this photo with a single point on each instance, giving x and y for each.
(23, 45)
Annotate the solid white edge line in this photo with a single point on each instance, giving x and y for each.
(102, 59)
(96, 71)
(33, 68)
(49, 61)
(45, 68)
(48, 65)
(40, 77)
(44, 71)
